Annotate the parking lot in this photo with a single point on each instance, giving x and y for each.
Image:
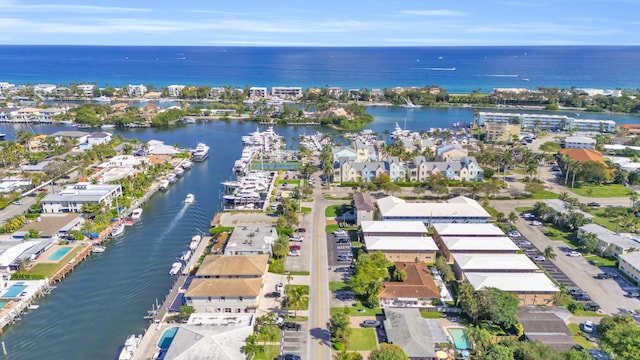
(336, 247)
(295, 341)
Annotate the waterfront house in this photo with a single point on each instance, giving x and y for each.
(417, 336)
(71, 198)
(248, 239)
(610, 244)
(86, 89)
(93, 139)
(364, 151)
(343, 152)
(364, 207)
(136, 90)
(13, 251)
(78, 136)
(44, 88)
(287, 92)
(157, 147)
(258, 92)
(228, 284)
(417, 290)
(174, 90)
(55, 227)
(455, 210)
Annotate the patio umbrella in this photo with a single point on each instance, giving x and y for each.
(441, 355)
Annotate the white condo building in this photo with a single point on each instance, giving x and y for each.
(72, 197)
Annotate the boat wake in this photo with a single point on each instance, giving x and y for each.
(500, 75)
(177, 218)
(440, 69)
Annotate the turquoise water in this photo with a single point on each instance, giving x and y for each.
(14, 291)
(59, 253)
(460, 339)
(167, 338)
(3, 304)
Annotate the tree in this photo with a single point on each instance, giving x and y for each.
(513, 218)
(399, 274)
(295, 298)
(445, 269)
(620, 335)
(499, 352)
(344, 355)
(549, 253)
(251, 348)
(588, 242)
(388, 352)
(371, 271)
(339, 329)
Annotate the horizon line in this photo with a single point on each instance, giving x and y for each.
(332, 46)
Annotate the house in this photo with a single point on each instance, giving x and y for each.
(12, 251)
(44, 88)
(350, 171)
(86, 89)
(450, 152)
(228, 284)
(258, 92)
(582, 155)
(394, 228)
(629, 264)
(455, 210)
(610, 244)
(492, 263)
(403, 248)
(563, 208)
(364, 207)
(72, 197)
(211, 336)
(365, 151)
(79, 136)
(96, 138)
(52, 226)
(465, 169)
(287, 92)
(418, 288)
(123, 161)
(156, 147)
(548, 325)
(175, 90)
(418, 337)
(395, 169)
(343, 152)
(529, 288)
(248, 239)
(578, 142)
(136, 90)
(451, 245)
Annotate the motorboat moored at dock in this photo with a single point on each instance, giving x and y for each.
(130, 346)
(201, 153)
(175, 268)
(136, 214)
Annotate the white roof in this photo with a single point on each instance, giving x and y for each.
(11, 254)
(486, 243)
(609, 237)
(468, 230)
(579, 140)
(410, 243)
(505, 262)
(460, 206)
(394, 227)
(632, 258)
(512, 282)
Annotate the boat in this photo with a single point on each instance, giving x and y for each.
(178, 171)
(117, 230)
(107, 126)
(189, 199)
(195, 241)
(98, 249)
(175, 268)
(2, 135)
(33, 307)
(130, 346)
(185, 256)
(172, 178)
(189, 120)
(66, 122)
(136, 214)
(187, 164)
(102, 98)
(164, 185)
(201, 153)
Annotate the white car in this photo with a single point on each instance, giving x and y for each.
(280, 287)
(574, 253)
(294, 253)
(587, 326)
(536, 223)
(539, 258)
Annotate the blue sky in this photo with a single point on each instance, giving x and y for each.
(321, 23)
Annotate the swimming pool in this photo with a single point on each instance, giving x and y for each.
(460, 338)
(58, 254)
(167, 338)
(14, 291)
(3, 304)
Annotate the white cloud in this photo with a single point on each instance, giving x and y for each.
(438, 12)
(10, 6)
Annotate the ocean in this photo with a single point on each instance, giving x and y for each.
(457, 69)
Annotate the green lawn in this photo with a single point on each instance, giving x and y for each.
(580, 337)
(609, 223)
(362, 340)
(602, 191)
(337, 210)
(306, 210)
(430, 314)
(492, 211)
(49, 269)
(596, 260)
(555, 234)
(355, 310)
(303, 273)
(523, 209)
(542, 195)
(338, 286)
(276, 266)
(271, 352)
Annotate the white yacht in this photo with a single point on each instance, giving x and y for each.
(130, 346)
(164, 185)
(185, 256)
(136, 214)
(107, 126)
(98, 249)
(175, 268)
(189, 199)
(178, 171)
(195, 241)
(117, 230)
(102, 98)
(187, 164)
(243, 195)
(201, 152)
(172, 178)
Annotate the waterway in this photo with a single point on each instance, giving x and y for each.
(104, 299)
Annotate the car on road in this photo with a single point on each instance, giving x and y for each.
(536, 223)
(593, 204)
(18, 202)
(606, 276)
(632, 294)
(574, 253)
(301, 230)
(279, 287)
(370, 324)
(297, 238)
(290, 325)
(587, 326)
(290, 357)
(294, 253)
(539, 258)
(273, 294)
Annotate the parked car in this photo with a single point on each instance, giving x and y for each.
(582, 297)
(587, 326)
(340, 233)
(345, 296)
(280, 287)
(528, 216)
(539, 258)
(301, 230)
(370, 324)
(593, 204)
(290, 357)
(297, 238)
(290, 325)
(295, 248)
(574, 253)
(294, 253)
(273, 294)
(514, 233)
(591, 306)
(343, 241)
(632, 294)
(606, 276)
(536, 223)
(18, 202)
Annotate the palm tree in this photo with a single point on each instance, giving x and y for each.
(513, 217)
(295, 298)
(252, 348)
(549, 253)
